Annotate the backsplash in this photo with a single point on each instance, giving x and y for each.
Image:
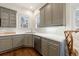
(58, 30)
(17, 30)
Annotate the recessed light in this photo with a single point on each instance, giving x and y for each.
(31, 7)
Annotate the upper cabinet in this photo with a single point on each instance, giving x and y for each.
(42, 14)
(52, 14)
(58, 14)
(12, 18)
(48, 15)
(7, 17)
(4, 17)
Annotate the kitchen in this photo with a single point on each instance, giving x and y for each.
(35, 29)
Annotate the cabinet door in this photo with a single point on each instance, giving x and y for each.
(5, 43)
(17, 41)
(37, 43)
(44, 47)
(28, 41)
(4, 17)
(53, 49)
(57, 14)
(42, 17)
(12, 18)
(48, 15)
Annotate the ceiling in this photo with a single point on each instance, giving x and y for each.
(28, 6)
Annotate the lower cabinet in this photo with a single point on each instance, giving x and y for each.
(5, 43)
(44, 47)
(37, 43)
(28, 41)
(17, 41)
(49, 47)
(14, 41)
(53, 49)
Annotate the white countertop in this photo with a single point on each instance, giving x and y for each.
(59, 38)
(14, 34)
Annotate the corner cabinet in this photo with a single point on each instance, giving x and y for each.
(52, 14)
(28, 41)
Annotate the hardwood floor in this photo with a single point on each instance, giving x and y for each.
(22, 52)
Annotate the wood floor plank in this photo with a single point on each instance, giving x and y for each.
(22, 52)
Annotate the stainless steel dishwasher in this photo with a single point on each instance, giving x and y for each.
(37, 43)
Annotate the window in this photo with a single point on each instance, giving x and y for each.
(24, 21)
(37, 20)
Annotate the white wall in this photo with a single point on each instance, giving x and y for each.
(70, 15)
(19, 12)
(70, 22)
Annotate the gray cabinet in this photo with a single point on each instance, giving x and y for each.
(42, 14)
(4, 17)
(28, 41)
(47, 15)
(7, 17)
(52, 14)
(53, 48)
(17, 41)
(5, 43)
(57, 14)
(12, 18)
(50, 47)
(44, 47)
(37, 43)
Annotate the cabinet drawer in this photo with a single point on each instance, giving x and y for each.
(54, 42)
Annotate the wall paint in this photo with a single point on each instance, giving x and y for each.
(70, 15)
(70, 23)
